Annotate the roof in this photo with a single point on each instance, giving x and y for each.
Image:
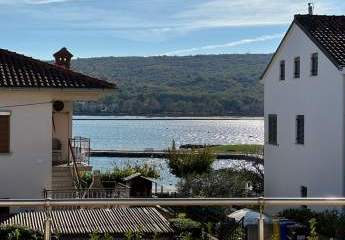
(19, 71)
(63, 52)
(249, 217)
(326, 32)
(135, 175)
(86, 221)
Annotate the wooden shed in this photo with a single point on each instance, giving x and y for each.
(139, 185)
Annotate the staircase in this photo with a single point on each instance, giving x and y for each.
(62, 178)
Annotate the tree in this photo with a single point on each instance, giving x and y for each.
(183, 163)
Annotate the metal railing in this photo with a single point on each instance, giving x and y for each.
(80, 149)
(261, 202)
(120, 191)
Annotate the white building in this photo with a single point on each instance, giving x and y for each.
(304, 110)
(36, 107)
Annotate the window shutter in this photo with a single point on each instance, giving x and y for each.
(272, 129)
(4, 133)
(300, 129)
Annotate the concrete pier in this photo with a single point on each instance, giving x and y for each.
(164, 154)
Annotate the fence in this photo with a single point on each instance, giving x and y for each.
(261, 202)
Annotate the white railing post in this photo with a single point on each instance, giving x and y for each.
(261, 223)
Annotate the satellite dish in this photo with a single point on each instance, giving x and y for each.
(58, 106)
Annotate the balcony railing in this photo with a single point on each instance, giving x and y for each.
(261, 202)
(120, 191)
(79, 150)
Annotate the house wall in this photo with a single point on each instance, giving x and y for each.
(62, 129)
(26, 170)
(319, 163)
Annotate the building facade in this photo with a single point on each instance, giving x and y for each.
(304, 110)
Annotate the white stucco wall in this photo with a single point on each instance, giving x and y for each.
(27, 169)
(318, 164)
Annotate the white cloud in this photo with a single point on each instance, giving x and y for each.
(45, 1)
(225, 45)
(233, 13)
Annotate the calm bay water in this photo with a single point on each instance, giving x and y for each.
(137, 133)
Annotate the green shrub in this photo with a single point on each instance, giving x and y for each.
(109, 178)
(183, 163)
(183, 226)
(19, 233)
(327, 223)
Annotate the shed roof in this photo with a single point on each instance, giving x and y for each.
(136, 175)
(19, 71)
(86, 221)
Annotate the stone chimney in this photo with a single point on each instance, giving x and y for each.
(310, 8)
(63, 58)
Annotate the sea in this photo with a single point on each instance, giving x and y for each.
(143, 133)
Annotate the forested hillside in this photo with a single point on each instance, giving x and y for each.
(191, 85)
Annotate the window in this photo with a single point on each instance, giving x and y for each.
(297, 67)
(272, 129)
(4, 132)
(314, 64)
(282, 70)
(300, 129)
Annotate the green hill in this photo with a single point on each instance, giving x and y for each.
(190, 85)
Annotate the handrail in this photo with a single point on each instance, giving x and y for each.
(150, 202)
(75, 167)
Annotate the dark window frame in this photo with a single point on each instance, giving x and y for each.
(297, 67)
(300, 129)
(314, 64)
(5, 133)
(282, 72)
(273, 129)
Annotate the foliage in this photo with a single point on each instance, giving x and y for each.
(86, 178)
(18, 233)
(130, 235)
(117, 174)
(98, 236)
(184, 163)
(327, 223)
(225, 228)
(186, 228)
(312, 230)
(190, 85)
(238, 234)
(218, 183)
(239, 148)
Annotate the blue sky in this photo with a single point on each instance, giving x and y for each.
(91, 28)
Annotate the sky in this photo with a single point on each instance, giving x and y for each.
(96, 28)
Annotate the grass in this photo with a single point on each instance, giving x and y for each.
(239, 149)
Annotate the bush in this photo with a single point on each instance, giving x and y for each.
(185, 226)
(19, 233)
(190, 162)
(328, 223)
(109, 178)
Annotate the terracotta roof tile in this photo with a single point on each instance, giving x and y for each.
(19, 71)
(328, 32)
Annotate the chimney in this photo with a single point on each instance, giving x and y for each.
(63, 58)
(310, 8)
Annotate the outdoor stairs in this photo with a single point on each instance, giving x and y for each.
(62, 178)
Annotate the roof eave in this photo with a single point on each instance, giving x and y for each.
(275, 53)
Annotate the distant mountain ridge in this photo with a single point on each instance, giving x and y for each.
(202, 85)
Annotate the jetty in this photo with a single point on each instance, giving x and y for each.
(150, 153)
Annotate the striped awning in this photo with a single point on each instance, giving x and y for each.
(86, 221)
